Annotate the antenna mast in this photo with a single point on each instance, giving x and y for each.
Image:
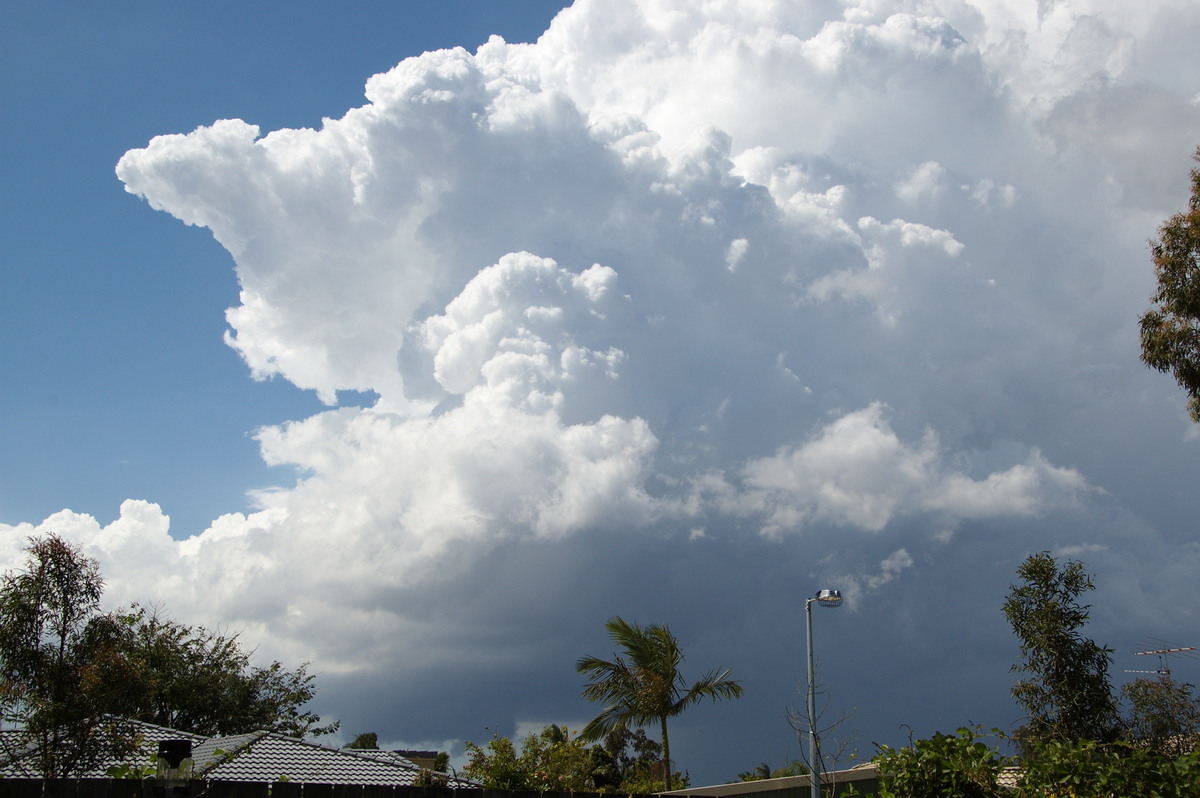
(1163, 668)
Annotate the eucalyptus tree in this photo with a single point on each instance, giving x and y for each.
(1164, 715)
(201, 681)
(70, 675)
(1171, 330)
(368, 741)
(1067, 695)
(643, 685)
(60, 662)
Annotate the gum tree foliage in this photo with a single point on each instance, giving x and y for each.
(1067, 695)
(367, 741)
(644, 686)
(1164, 716)
(630, 762)
(1088, 769)
(61, 666)
(201, 681)
(1063, 754)
(1171, 329)
(951, 766)
(67, 669)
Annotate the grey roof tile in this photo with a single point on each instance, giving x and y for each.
(272, 757)
(15, 751)
(258, 756)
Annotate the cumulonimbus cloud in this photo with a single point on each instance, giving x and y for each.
(695, 240)
(703, 271)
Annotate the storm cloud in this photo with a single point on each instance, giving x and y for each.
(680, 313)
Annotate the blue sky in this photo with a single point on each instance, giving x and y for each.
(116, 381)
(436, 362)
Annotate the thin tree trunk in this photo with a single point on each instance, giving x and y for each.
(666, 755)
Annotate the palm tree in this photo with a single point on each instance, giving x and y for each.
(645, 685)
(763, 771)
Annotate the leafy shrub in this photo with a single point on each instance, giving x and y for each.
(944, 766)
(1086, 769)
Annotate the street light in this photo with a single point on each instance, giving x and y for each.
(826, 598)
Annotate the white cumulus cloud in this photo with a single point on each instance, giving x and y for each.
(674, 308)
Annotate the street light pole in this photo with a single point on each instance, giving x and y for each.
(826, 598)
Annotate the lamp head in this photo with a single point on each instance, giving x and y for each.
(829, 598)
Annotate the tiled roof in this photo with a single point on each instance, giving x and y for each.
(270, 757)
(257, 756)
(15, 750)
(1010, 777)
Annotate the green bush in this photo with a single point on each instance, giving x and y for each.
(944, 766)
(1086, 769)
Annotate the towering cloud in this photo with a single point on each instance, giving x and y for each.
(759, 292)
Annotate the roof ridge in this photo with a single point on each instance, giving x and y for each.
(214, 760)
(143, 724)
(374, 754)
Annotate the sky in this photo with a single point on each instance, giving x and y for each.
(417, 340)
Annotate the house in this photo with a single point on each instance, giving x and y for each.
(864, 779)
(18, 753)
(259, 756)
(422, 759)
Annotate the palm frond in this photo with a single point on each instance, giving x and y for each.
(715, 685)
(609, 681)
(644, 685)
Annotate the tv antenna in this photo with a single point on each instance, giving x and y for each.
(1164, 669)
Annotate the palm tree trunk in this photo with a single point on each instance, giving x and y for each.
(666, 755)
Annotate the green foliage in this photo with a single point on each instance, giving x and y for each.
(1087, 769)
(630, 762)
(944, 766)
(1071, 746)
(1068, 695)
(435, 777)
(60, 666)
(793, 768)
(129, 770)
(67, 670)
(1171, 330)
(645, 686)
(557, 762)
(649, 780)
(430, 778)
(963, 767)
(552, 760)
(276, 699)
(366, 741)
(496, 767)
(760, 772)
(1163, 716)
(764, 771)
(200, 681)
